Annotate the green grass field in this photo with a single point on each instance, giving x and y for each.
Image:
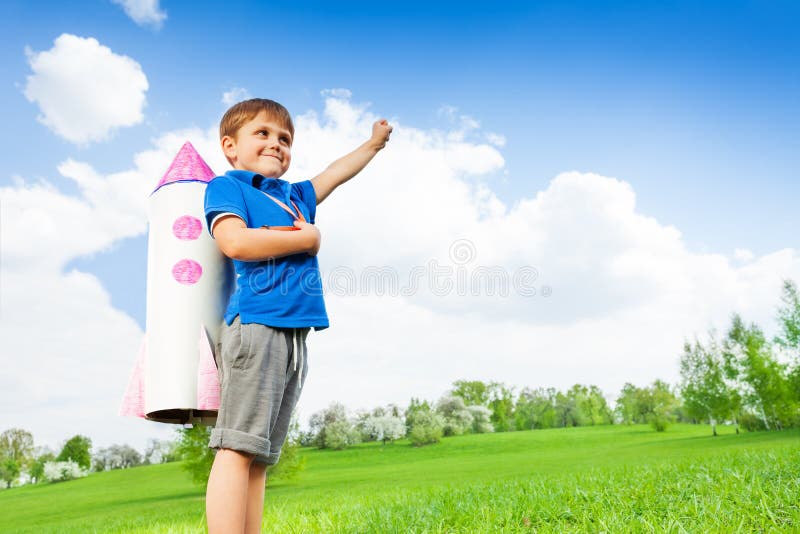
(589, 479)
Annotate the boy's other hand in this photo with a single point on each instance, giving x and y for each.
(312, 234)
(381, 131)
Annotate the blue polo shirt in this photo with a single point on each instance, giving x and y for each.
(284, 292)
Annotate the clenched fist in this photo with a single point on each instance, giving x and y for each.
(380, 133)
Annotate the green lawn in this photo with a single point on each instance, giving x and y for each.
(609, 478)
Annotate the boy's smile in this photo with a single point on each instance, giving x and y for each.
(261, 145)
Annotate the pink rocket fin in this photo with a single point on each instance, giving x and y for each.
(207, 376)
(133, 401)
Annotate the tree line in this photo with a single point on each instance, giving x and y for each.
(743, 378)
(740, 378)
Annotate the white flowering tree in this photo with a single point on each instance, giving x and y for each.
(384, 427)
(457, 419)
(57, 471)
(481, 419)
(332, 428)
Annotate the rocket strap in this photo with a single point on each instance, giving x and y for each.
(296, 217)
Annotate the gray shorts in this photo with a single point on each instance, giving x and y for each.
(261, 371)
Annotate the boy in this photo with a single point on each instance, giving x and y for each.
(266, 225)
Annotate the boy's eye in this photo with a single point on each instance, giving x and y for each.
(285, 140)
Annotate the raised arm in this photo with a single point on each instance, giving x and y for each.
(348, 166)
(237, 241)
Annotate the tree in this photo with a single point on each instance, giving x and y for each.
(116, 457)
(58, 471)
(160, 451)
(535, 409)
(427, 427)
(332, 428)
(16, 444)
(384, 428)
(704, 389)
(789, 316)
(339, 435)
(457, 419)
(291, 462)
(582, 405)
(762, 379)
(381, 423)
(36, 471)
(77, 449)
(195, 453)
(474, 392)
(414, 406)
(567, 412)
(9, 470)
(481, 419)
(501, 403)
(656, 404)
(664, 404)
(595, 406)
(789, 337)
(628, 406)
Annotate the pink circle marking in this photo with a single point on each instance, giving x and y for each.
(187, 271)
(187, 227)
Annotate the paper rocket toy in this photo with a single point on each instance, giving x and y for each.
(189, 280)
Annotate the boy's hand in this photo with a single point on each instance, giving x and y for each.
(312, 234)
(380, 133)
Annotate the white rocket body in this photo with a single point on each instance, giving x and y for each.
(188, 285)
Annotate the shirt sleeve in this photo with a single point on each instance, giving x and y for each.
(223, 196)
(309, 197)
(216, 218)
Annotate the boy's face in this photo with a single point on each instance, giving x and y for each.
(261, 145)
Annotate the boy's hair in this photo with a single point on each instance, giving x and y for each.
(244, 111)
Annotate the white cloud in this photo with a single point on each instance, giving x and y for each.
(496, 139)
(237, 94)
(143, 12)
(84, 90)
(743, 254)
(625, 289)
(461, 125)
(343, 94)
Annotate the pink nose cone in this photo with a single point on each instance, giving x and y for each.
(187, 227)
(187, 271)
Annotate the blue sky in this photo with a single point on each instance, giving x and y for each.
(695, 105)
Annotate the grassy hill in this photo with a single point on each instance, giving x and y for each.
(607, 478)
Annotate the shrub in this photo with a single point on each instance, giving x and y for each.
(659, 422)
(751, 422)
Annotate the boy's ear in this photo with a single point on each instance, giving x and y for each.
(228, 146)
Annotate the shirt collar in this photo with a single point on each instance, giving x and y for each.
(271, 185)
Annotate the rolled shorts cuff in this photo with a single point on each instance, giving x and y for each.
(227, 438)
(271, 459)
